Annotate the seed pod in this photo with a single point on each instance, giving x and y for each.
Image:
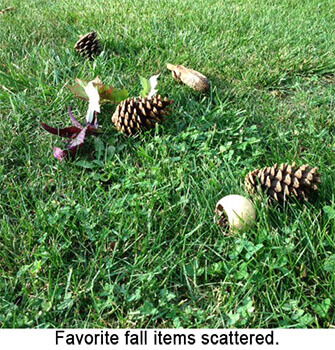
(190, 77)
(235, 210)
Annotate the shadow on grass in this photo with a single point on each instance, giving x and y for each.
(121, 48)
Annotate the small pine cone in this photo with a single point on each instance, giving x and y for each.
(88, 45)
(284, 181)
(136, 114)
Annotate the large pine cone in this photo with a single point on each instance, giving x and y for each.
(88, 45)
(136, 114)
(284, 181)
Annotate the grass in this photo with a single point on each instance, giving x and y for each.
(131, 242)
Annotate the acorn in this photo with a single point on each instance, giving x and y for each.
(190, 77)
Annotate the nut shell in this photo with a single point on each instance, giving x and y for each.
(237, 210)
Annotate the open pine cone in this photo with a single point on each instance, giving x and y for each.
(281, 182)
(137, 114)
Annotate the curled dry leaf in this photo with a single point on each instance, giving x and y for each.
(190, 77)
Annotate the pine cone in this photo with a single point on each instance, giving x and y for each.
(284, 181)
(136, 114)
(88, 45)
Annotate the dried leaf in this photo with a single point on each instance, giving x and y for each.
(8, 9)
(94, 102)
(190, 77)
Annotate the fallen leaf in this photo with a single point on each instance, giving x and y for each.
(107, 94)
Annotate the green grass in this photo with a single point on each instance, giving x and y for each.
(132, 242)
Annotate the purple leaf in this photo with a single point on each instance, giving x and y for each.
(78, 140)
(59, 153)
(76, 135)
(74, 120)
(50, 129)
(64, 132)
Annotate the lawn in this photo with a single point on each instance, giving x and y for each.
(131, 242)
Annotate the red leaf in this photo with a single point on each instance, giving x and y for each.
(91, 130)
(64, 132)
